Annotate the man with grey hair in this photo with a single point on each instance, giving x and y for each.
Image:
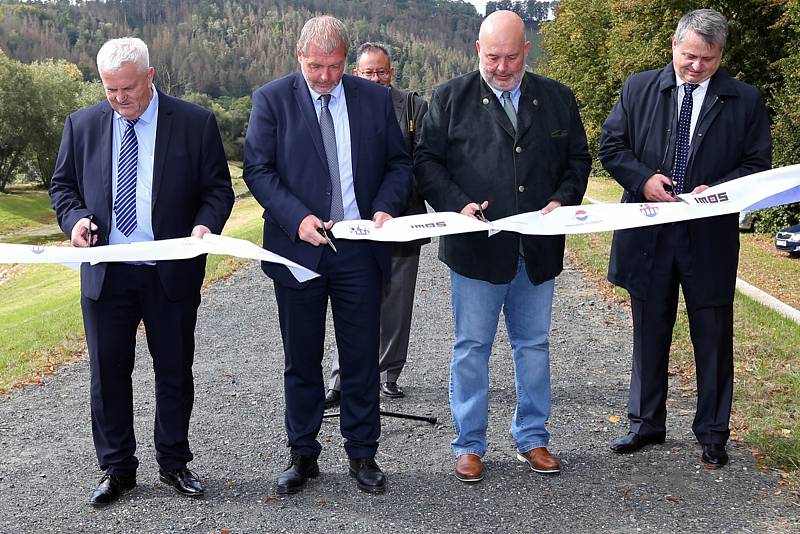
(681, 129)
(140, 166)
(322, 147)
(373, 62)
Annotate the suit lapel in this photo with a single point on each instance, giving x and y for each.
(492, 105)
(163, 131)
(106, 119)
(399, 103)
(528, 106)
(303, 99)
(354, 111)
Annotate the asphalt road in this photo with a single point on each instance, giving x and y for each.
(48, 468)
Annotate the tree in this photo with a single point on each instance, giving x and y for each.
(16, 114)
(593, 45)
(786, 116)
(54, 94)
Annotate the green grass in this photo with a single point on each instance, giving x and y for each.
(761, 265)
(24, 210)
(40, 318)
(604, 189)
(245, 223)
(41, 321)
(766, 413)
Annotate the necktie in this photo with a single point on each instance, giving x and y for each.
(682, 139)
(508, 107)
(125, 200)
(329, 140)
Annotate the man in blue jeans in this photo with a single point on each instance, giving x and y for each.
(529, 154)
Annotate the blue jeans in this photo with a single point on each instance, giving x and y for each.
(476, 310)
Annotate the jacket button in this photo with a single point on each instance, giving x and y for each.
(485, 101)
(521, 189)
(518, 150)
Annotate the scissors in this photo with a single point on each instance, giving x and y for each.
(89, 233)
(321, 231)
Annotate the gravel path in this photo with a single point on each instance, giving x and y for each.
(48, 468)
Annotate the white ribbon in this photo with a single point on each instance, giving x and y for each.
(756, 191)
(166, 249)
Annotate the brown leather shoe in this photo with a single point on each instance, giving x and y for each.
(469, 468)
(540, 460)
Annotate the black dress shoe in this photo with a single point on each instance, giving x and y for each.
(110, 488)
(368, 475)
(714, 455)
(294, 477)
(633, 442)
(184, 481)
(390, 389)
(332, 398)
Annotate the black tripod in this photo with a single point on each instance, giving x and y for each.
(431, 420)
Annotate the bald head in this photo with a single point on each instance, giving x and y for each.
(502, 50)
(505, 25)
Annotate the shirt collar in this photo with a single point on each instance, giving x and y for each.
(336, 93)
(499, 92)
(149, 114)
(679, 82)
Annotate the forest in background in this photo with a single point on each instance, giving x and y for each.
(212, 52)
(230, 47)
(215, 52)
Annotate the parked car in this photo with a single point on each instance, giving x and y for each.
(788, 240)
(747, 220)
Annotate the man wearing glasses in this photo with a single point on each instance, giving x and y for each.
(374, 63)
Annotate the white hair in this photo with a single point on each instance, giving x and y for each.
(327, 32)
(116, 52)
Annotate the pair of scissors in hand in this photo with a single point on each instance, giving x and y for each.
(321, 231)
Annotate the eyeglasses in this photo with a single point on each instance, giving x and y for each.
(381, 73)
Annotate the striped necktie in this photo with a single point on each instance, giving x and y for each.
(682, 139)
(125, 199)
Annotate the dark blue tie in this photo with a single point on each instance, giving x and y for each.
(329, 140)
(125, 200)
(682, 139)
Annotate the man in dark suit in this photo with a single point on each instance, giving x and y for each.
(681, 129)
(140, 166)
(322, 147)
(374, 62)
(529, 153)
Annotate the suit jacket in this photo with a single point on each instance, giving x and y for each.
(416, 204)
(191, 184)
(286, 169)
(731, 139)
(469, 153)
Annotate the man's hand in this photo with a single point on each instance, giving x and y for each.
(553, 204)
(80, 233)
(699, 189)
(380, 217)
(654, 189)
(200, 230)
(475, 210)
(308, 230)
